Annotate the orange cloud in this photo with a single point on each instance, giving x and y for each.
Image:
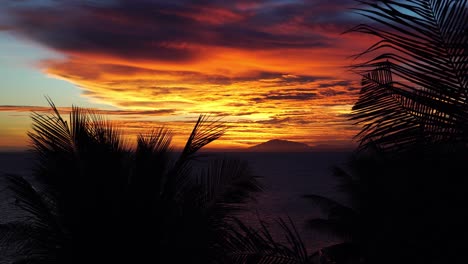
(272, 69)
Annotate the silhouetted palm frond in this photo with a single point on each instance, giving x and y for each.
(40, 233)
(29, 200)
(339, 221)
(152, 162)
(347, 182)
(226, 183)
(415, 89)
(204, 132)
(158, 141)
(14, 236)
(26, 243)
(63, 149)
(245, 245)
(97, 197)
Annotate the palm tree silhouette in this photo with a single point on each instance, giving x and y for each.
(94, 200)
(404, 183)
(403, 209)
(415, 83)
(258, 245)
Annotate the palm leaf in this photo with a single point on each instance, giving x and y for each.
(226, 183)
(344, 252)
(330, 207)
(339, 228)
(103, 131)
(29, 200)
(14, 236)
(101, 198)
(414, 90)
(152, 161)
(204, 132)
(246, 245)
(348, 183)
(40, 236)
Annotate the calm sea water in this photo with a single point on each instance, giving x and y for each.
(285, 177)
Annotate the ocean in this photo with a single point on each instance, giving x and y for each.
(285, 177)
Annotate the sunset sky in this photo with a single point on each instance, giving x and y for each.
(272, 69)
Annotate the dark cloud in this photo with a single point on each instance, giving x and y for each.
(171, 30)
(275, 121)
(224, 114)
(123, 113)
(335, 83)
(353, 88)
(346, 116)
(331, 92)
(285, 95)
(153, 103)
(157, 90)
(237, 104)
(281, 120)
(301, 96)
(70, 69)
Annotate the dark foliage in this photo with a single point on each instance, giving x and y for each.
(251, 246)
(415, 83)
(96, 201)
(406, 209)
(407, 183)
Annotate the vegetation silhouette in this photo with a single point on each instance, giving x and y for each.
(406, 184)
(407, 181)
(402, 209)
(96, 201)
(414, 91)
(252, 245)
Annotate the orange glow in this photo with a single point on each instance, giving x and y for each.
(283, 79)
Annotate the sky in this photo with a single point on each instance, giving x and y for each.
(270, 69)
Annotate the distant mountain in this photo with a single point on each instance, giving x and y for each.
(278, 145)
